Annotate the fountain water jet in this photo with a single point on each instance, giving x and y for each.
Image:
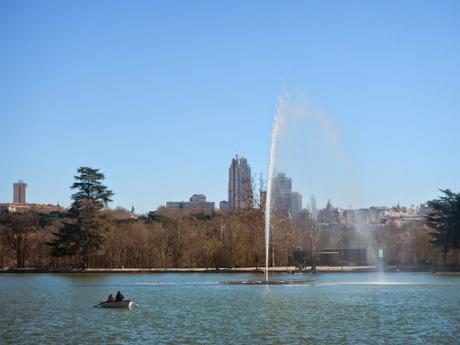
(277, 124)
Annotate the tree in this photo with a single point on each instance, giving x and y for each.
(444, 219)
(17, 228)
(85, 233)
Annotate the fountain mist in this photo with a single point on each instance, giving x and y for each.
(306, 145)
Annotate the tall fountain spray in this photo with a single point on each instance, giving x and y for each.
(277, 124)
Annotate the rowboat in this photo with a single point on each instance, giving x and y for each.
(118, 304)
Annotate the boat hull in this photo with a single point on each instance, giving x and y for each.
(120, 304)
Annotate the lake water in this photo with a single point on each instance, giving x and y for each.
(341, 308)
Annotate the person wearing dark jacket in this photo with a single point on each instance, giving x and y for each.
(119, 297)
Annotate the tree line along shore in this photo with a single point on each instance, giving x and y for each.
(90, 236)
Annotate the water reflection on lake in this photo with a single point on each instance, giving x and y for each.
(195, 309)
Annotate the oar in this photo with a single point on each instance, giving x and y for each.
(98, 305)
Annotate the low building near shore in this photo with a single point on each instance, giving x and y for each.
(26, 207)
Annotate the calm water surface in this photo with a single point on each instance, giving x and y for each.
(195, 309)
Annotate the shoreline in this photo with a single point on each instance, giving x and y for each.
(255, 270)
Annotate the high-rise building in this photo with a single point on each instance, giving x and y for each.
(296, 204)
(223, 205)
(20, 192)
(281, 195)
(284, 200)
(239, 184)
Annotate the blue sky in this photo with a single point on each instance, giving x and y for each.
(161, 95)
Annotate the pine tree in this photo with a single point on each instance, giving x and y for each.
(85, 233)
(444, 219)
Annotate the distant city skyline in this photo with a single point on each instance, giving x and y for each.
(286, 203)
(160, 96)
(285, 199)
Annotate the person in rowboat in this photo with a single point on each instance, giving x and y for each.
(110, 299)
(119, 297)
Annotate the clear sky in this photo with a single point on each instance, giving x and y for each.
(161, 94)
